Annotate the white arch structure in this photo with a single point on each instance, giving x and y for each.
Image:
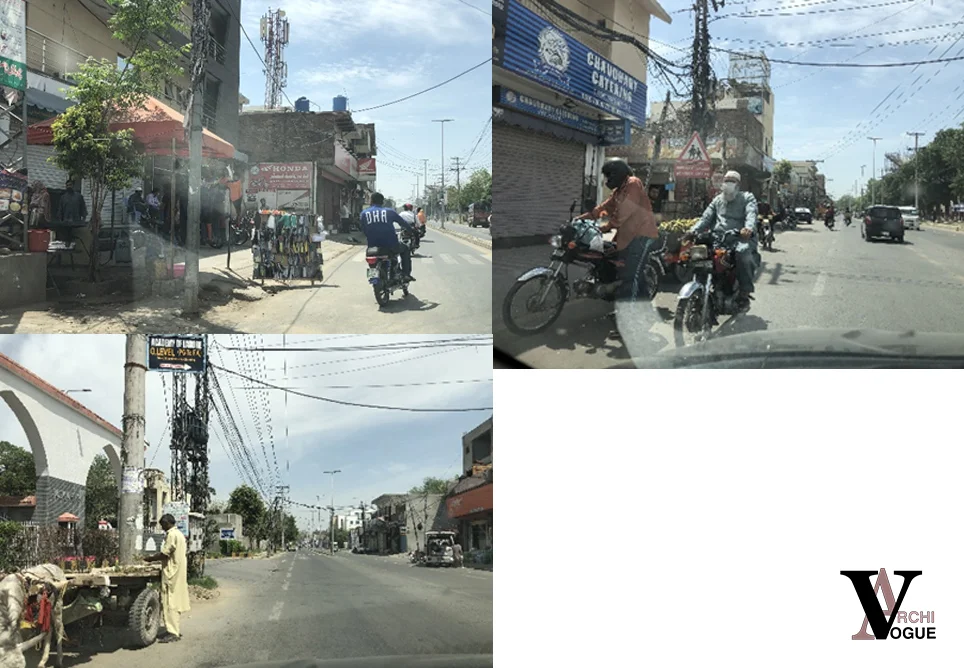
(64, 437)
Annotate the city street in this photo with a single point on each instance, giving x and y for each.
(814, 279)
(308, 605)
(452, 289)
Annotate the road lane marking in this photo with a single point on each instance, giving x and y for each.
(471, 259)
(820, 285)
(276, 611)
(448, 259)
(425, 260)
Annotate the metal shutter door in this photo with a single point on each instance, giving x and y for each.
(535, 178)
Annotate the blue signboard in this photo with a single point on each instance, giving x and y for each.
(607, 133)
(537, 50)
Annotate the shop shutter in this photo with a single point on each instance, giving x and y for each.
(535, 178)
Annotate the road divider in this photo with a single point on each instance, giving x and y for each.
(471, 238)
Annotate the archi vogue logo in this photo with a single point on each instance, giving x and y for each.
(874, 613)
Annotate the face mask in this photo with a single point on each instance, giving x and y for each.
(729, 190)
(612, 182)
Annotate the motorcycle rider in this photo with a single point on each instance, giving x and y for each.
(631, 215)
(378, 224)
(408, 213)
(830, 215)
(734, 209)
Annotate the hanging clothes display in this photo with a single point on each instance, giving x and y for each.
(287, 246)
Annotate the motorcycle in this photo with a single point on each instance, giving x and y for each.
(765, 232)
(788, 222)
(828, 221)
(714, 290)
(241, 230)
(578, 243)
(384, 274)
(410, 239)
(847, 219)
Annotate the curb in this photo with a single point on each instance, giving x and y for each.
(944, 227)
(482, 243)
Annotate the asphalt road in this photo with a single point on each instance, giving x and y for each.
(306, 605)
(451, 294)
(480, 232)
(814, 278)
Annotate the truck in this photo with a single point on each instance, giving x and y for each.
(479, 214)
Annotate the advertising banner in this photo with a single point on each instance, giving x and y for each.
(176, 353)
(13, 41)
(283, 186)
(366, 169)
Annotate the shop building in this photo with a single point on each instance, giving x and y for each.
(469, 503)
(560, 95)
(331, 141)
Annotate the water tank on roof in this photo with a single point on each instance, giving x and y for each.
(340, 103)
(301, 104)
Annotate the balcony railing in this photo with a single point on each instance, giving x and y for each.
(216, 50)
(52, 58)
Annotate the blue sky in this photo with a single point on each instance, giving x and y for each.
(827, 113)
(382, 50)
(378, 451)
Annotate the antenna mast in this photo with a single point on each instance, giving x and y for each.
(274, 34)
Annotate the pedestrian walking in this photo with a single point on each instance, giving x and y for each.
(174, 594)
(457, 553)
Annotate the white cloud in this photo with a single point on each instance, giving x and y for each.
(355, 71)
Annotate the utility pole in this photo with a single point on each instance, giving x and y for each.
(916, 136)
(458, 183)
(201, 12)
(442, 122)
(282, 490)
(131, 511)
(873, 172)
(331, 537)
(425, 166)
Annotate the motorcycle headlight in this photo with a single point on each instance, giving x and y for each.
(556, 241)
(698, 253)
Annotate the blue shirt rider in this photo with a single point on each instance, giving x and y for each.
(378, 224)
(733, 209)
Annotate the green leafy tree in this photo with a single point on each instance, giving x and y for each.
(102, 498)
(104, 92)
(18, 475)
(478, 188)
(782, 172)
(431, 486)
(247, 503)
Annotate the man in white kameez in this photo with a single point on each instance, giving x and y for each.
(174, 593)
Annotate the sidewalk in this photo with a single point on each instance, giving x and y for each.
(947, 227)
(451, 229)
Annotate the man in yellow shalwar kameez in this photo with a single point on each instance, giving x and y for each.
(174, 594)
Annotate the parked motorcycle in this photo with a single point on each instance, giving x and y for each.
(384, 274)
(714, 290)
(578, 243)
(241, 230)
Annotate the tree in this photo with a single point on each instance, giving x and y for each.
(18, 475)
(431, 486)
(478, 188)
(247, 503)
(783, 172)
(103, 92)
(102, 498)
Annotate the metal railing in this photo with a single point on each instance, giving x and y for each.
(216, 50)
(52, 58)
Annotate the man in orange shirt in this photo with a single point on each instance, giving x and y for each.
(234, 192)
(631, 215)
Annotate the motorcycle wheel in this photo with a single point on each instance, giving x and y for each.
(653, 273)
(688, 325)
(381, 294)
(552, 312)
(216, 242)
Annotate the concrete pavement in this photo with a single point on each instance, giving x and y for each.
(814, 278)
(305, 605)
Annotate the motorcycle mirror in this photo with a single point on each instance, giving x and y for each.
(572, 208)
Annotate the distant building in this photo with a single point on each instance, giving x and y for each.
(18, 508)
(469, 503)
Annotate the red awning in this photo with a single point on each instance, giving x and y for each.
(68, 517)
(155, 126)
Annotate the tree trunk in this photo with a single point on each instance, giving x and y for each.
(97, 195)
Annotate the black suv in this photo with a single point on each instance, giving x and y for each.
(880, 220)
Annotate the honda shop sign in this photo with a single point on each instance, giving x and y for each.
(540, 52)
(366, 169)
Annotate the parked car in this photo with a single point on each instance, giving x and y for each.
(880, 220)
(911, 217)
(804, 215)
(439, 548)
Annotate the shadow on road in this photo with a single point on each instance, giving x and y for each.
(409, 303)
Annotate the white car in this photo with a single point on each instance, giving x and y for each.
(911, 217)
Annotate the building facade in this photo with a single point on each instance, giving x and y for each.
(330, 140)
(560, 94)
(470, 501)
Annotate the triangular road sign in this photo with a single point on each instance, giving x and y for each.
(695, 150)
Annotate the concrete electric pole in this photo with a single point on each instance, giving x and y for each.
(131, 513)
(331, 536)
(873, 172)
(282, 490)
(442, 122)
(458, 182)
(916, 136)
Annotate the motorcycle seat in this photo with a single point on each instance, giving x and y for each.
(375, 251)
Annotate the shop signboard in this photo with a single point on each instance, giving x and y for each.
(498, 31)
(615, 133)
(285, 186)
(178, 352)
(768, 164)
(13, 189)
(540, 52)
(366, 169)
(345, 161)
(608, 133)
(182, 513)
(13, 41)
(475, 500)
(227, 533)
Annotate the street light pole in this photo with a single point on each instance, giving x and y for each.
(442, 122)
(331, 536)
(873, 172)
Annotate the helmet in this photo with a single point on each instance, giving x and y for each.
(616, 171)
(408, 207)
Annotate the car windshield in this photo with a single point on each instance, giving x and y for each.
(863, 265)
